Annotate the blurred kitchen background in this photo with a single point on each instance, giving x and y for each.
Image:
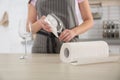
(106, 15)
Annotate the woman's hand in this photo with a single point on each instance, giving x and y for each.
(67, 35)
(44, 25)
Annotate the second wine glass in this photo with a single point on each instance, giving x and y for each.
(25, 34)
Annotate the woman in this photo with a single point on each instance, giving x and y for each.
(45, 41)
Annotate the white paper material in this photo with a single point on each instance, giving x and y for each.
(85, 52)
(53, 24)
(95, 60)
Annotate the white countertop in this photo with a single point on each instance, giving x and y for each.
(49, 67)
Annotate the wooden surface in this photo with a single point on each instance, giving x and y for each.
(49, 67)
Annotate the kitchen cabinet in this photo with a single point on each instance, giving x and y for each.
(108, 2)
(96, 8)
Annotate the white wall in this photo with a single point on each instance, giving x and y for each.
(10, 42)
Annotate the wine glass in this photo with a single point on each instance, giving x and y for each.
(24, 34)
(55, 23)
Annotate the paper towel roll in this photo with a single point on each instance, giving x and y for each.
(83, 50)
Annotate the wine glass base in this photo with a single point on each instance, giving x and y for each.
(22, 57)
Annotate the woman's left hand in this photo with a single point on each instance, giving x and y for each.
(67, 35)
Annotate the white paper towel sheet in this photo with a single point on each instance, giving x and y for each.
(53, 24)
(85, 52)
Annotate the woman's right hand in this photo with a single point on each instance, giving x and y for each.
(44, 25)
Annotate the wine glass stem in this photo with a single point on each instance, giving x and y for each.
(25, 47)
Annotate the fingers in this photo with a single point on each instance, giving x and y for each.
(67, 35)
(43, 17)
(63, 35)
(44, 24)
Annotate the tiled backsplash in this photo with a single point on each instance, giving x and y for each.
(108, 13)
